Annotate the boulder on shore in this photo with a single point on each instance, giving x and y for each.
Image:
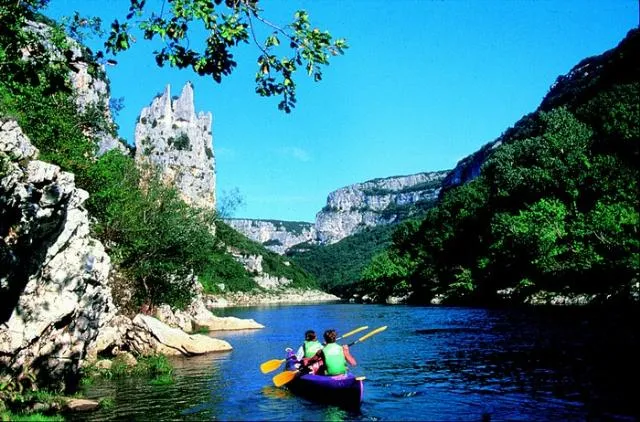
(81, 405)
(145, 335)
(173, 341)
(196, 316)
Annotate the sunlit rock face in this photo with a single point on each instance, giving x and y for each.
(173, 138)
(53, 275)
(275, 235)
(349, 210)
(375, 202)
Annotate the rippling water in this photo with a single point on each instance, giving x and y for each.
(432, 363)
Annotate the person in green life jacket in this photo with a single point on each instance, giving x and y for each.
(334, 356)
(310, 347)
(308, 350)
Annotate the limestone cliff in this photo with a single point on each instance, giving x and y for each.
(375, 202)
(275, 235)
(89, 83)
(53, 274)
(349, 210)
(171, 136)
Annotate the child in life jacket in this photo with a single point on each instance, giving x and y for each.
(308, 350)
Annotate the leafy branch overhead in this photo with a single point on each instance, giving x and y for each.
(229, 23)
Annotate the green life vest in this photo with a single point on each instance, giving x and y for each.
(334, 359)
(311, 347)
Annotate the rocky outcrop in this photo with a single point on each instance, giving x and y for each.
(90, 85)
(173, 341)
(469, 167)
(53, 274)
(197, 317)
(253, 265)
(275, 235)
(375, 202)
(145, 336)
(289, 296)
(173, 138)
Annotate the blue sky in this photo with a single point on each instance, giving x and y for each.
(423, 84)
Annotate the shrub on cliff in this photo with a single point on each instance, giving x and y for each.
(157, 240)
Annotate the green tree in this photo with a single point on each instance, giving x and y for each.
(229, 202)
(285, 50)
(387, 275)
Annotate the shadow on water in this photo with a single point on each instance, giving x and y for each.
(135, 399)
(573, 360)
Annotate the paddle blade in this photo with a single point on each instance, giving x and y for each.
(271, 365)
(350, 333)
(366, 336)
(284, 377)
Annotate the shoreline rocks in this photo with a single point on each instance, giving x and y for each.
(146, 335)
(293, 296)
(173, 341)
(53, 274)
(197, 317)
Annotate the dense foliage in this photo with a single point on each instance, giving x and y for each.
(36, 92)
(283, 49)
(157, 242)
(339, 265)
(272, 263)
(555, 208)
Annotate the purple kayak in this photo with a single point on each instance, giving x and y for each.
(341, 390)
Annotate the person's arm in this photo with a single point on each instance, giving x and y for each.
(300, 353)
(347, 355)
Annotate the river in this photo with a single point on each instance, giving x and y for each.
(431, 364)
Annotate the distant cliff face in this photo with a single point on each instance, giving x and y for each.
(348, 211)
(375, 202)
(171, 136)
(468, 168)
(277, 236)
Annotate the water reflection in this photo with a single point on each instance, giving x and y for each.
(135, 398)
(275, 393)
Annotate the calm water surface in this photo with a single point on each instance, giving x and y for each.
(431, 364)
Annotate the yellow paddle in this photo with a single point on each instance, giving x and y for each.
(287, 376)
(366, 336)
(350, 333)
(284, 377)
(273, 364)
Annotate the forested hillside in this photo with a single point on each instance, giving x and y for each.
(156, 241)
(339, 265)
(554, 211)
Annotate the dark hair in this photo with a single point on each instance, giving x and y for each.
(310, 335)
(330, 336)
